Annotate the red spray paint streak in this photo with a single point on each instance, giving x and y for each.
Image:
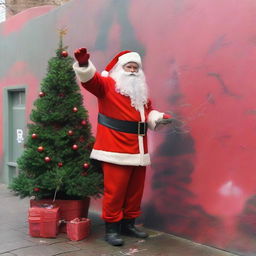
(17, 22)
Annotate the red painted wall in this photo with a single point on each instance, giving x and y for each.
(199, 58)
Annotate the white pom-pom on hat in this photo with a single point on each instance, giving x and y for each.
(104, 73)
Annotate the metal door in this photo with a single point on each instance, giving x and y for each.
(16, 129)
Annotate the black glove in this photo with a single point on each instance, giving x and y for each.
(165, 121)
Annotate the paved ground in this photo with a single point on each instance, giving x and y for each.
(14, 238)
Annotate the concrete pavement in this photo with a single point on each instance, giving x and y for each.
(14, 238)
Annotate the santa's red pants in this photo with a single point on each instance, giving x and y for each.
(123, 190)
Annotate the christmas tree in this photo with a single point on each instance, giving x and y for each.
(55, 162)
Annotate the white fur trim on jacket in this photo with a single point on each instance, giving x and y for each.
(84, 74)
(154, 116)
(120, 158)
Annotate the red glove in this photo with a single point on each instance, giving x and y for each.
(166, 116)
(82, 57)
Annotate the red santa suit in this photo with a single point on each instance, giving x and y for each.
(123, 155)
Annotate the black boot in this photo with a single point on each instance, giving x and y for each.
(128, 228)
(112, 233)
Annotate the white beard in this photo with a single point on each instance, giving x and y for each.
(132, 85)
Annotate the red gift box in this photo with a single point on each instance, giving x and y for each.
(78, 229)
(44, 221)
(69, 209)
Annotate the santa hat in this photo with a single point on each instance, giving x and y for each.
(122, 58)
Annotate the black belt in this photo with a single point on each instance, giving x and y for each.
(139, 128)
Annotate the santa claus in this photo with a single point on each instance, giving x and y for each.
(125, 114)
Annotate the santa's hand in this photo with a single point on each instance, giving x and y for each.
(164, 121)
(82, 57)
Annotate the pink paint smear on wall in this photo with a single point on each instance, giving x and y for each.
(17, 22)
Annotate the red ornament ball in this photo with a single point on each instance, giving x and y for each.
(60, 164)
(75, 147)
(47, 159)
(64, 54)
(70, 133)
(40, 149)
(83, 122)
(41, 94)
(61, 95)
(36, 189)
(75, 109)
(86, 166)
(34, 136)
